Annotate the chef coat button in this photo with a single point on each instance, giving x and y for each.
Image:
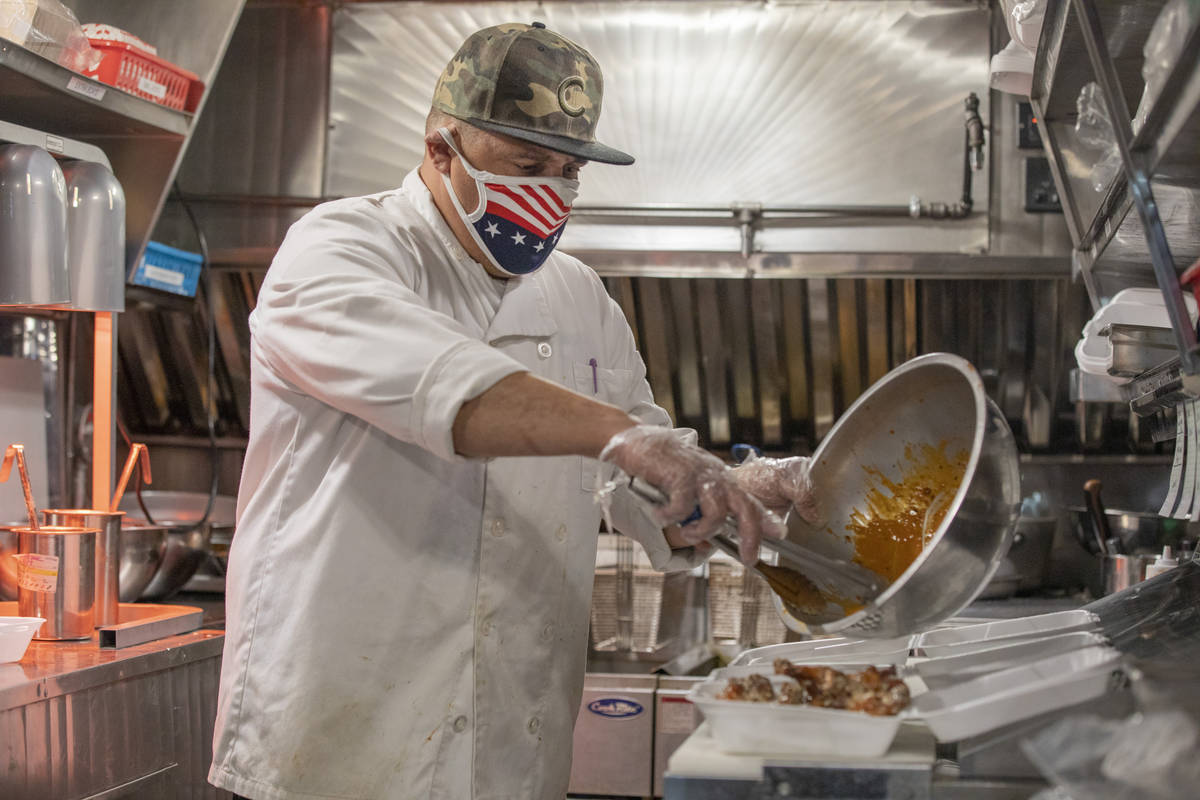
(547, 632)
(561, 533)
(460, 724)
(534, 724)
(497, 527)
(485, 628)
(544, 349)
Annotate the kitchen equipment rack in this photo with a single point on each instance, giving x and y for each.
(1102, 41)
(144, 141)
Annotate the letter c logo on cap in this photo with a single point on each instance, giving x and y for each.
(566, 90)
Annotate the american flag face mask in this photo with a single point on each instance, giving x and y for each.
(518, 220)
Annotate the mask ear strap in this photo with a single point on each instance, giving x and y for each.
(445, 134)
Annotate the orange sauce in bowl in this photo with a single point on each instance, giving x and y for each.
(890, 531)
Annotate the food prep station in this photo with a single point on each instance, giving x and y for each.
(775, 318)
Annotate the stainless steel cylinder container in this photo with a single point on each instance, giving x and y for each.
(108, 553)
(1123, 571)
(33, 228)
(56, 580)
(96, 230)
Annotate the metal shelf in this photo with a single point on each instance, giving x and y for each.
(1165, 148)
(41, 94)
(1159, 178)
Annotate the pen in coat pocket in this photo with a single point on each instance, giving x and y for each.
(595, 382)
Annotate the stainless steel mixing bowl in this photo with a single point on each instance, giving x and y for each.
(142, 551)
(931, 399)
(186, 549)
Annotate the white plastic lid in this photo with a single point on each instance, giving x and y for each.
(1012, 70)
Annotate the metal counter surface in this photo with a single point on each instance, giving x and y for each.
(51, 669)
(78, 721)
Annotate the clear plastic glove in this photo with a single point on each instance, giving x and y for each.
(692, 477)
(780, 484)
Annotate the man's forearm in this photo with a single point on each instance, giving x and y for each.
(523, 415)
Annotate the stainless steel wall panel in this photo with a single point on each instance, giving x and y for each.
(79, 744)
(270, 97)
(861, 100)
(230, 316)
(621, 290)
(714, 359)
(764, 300)
(850, 366)
(657, 348)
(685, 353)
(795, 308)
(736, 328)
(822, 349)
(876, 328)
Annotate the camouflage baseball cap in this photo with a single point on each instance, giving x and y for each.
(530, 83)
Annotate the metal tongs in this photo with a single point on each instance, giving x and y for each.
(841, 579)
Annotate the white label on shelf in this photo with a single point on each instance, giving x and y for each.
(676, 715)
(1188, 488)
(152, 88)
(163, 275)
(1172, 498)
(86, 88)
(55, 144)
(37, 572)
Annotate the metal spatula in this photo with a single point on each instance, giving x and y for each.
(841, 579)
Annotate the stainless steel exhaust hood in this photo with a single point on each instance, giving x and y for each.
(730, 107)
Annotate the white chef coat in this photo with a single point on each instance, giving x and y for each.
(403, 622)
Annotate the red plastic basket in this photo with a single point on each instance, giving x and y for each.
(146, 75)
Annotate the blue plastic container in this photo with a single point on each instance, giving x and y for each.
(168, 269)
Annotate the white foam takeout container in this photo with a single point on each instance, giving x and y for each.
(991, 701)
(830, 651)
(971, 638)
(943, 671)
(740, 726)
(15, 635)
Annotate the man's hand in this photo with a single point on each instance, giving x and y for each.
(690, 477)
(780, 484)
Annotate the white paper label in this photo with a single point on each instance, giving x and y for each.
(676, 715)
(163, 275)
(1188, 489)
(55, 144)
(86, 88)
(36, 572)
(152, 88)
(1172, 499)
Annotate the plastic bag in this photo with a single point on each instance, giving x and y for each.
(1146, 756)
(48, 28)
(1162, 49)
(1094, 128)
(1026, 25)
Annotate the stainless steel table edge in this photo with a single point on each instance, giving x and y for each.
(51, 669)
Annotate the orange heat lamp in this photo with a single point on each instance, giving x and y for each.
(102, 411)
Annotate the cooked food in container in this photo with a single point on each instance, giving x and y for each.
(805, 710)
(879, 692)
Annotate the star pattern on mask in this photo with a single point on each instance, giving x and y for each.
(492, 229)
(518, 238)
(539, 246)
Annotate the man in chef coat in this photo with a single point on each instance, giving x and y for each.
(436, 395)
